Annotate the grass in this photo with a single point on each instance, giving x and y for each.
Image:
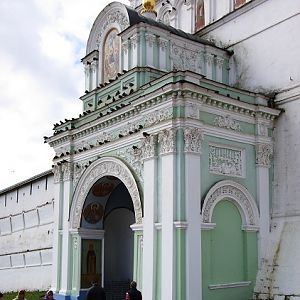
(36, 295)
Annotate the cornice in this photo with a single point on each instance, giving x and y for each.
(171, 92)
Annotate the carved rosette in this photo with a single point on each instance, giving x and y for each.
(148, 147)
(192, 140)
(57, 174)
(67, 170)
(167, 140)
(264, 153)
(105, 167)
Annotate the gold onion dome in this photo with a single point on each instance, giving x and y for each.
(149, 6)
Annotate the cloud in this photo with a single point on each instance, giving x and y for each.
(41, 77)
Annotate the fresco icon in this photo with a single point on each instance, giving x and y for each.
(93, 212)
(111, 59)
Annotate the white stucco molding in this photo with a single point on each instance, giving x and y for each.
(236, 193)
(107, 166)
(113, 15)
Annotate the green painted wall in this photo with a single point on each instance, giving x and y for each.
(209, 179)
(229, 255)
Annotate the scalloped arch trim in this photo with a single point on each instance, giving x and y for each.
(236, 193)
(108, 166)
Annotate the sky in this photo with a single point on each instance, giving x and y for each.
(41, 77)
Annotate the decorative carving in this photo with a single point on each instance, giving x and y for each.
(104, 167)
(75, 242)
(57, 174)
(225, 161)
(234, 191)
(150, 39)
(264, 153)
(209, 58)
(227, 122)
(135, 40)
(133, 156)
(184, 59)
(163, 44)
(141, 240)
(192, 140)
(192, 111)
(148, 147)
(125, 45)
(118, 17)
(67, 170)
(158, 116)
(262, 129)
(167, 140)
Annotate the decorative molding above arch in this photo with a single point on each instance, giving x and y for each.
(113, 15)
(107, 166)
(236, 193)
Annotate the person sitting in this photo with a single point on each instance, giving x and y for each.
(133, 293)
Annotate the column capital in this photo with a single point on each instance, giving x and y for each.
(264, 153)
(57, 173)
(148, 147)
(167, 140)
(67, 171)
(193, 139)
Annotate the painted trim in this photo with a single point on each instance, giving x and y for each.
(136, 227)
(158, 226)
(180, 225)
(229, 285)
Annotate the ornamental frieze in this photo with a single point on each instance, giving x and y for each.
(226, 161)
(158, 116)
(264, 153)
(227, 122)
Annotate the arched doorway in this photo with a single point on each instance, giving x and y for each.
(106, 203)
(108, 258)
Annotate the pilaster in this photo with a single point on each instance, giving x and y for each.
(193, 138)
(66, 269)
(150, 172)
(263, 163)
(167, 141)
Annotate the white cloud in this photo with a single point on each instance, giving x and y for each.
(41, 77)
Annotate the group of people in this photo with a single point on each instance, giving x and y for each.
(96, 292)
(21, 295)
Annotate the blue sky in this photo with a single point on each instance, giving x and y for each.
(41, 77)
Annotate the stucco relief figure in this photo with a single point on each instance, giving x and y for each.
(200, 18)
(111, 55)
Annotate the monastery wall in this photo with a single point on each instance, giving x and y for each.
(26, 228)
(264, 38)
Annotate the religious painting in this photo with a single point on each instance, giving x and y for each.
(200, 17)
(91, 262)
(111, 56)
(93, 212)
(239, 3)
(102, 189)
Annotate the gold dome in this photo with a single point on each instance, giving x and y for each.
(149, 6)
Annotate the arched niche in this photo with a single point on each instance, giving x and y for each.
(237, 194)
(107, 166)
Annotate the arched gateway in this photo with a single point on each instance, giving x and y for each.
(106, 202)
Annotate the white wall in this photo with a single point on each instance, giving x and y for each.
(26, 224)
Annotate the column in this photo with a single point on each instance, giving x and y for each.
(150, 43)
(76, 259)
(125, 55)
(87, 73)
(135, 50)
(263, 163)
(167, 141)
(94, 73)
(150, 165)
(56, 255)
(66, 267)
(193, 139)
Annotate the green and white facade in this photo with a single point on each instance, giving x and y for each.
(194, 155)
